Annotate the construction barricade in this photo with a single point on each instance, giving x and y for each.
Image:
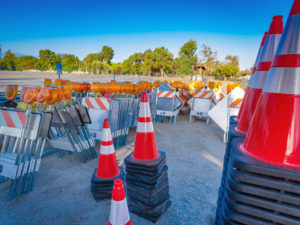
(119, 103)
(204, 98)
(260, 184)
(23, 136)
(201, 103)
(68, 131)
(168, 104)
(98, 108)
(229, 106)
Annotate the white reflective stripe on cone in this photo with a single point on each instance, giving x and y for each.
(289, 42)
(250, 83)
(258, 56)
(144, 127)
(119, 214)
(259, 79)
(107, 149)
(106, 134)
(144, 110)
(269, 48)
(284, 80)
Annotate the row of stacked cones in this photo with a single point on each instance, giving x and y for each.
(146, 174)
(261, 174)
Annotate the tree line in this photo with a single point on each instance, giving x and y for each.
(157, 62)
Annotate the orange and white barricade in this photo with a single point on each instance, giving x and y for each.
(98, 109)
(227, 107)
(23, 136)
(168, 104)
(218, 96)
(201, 103)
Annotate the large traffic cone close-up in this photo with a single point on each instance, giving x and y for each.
(261, 73)
(277, 111)
(119, 214)
(260, 180)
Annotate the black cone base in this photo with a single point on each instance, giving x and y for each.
(148, 187)
(102, 188)
(253, 192)
(233, 120)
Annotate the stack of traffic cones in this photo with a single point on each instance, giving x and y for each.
(236, 119)
(119, 214)
(261, 185)
(257, 82)
(103, 177)
(261, 73)
(146, 170)
(261, 67)
(266, 54)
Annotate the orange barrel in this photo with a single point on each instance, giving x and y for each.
(30, 95)
(47, 82)
(43, 95)
(11, 92)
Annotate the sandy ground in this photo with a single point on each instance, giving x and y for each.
(62, 195)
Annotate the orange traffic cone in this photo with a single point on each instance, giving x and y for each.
(107, 164)
(251, 78)
(261, 73)
(273, 136)
(119, 214)
(145, 145)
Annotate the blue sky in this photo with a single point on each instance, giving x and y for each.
(83, 26)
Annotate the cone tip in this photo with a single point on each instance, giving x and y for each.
(144, 97)
(276, 26)
(105, 123)
(295, 8)
(118, 182)
(118, 190)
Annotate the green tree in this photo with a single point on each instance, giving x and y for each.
(116, 68)
(25, 62)
(225, 71)
(188, 49)
(209, 59)
(105, 67)
(160, 59)
(69, 62)
(9, 61)
(47, 60)
(87, 62)
(134, 64)
(232, 60)
(97, 66)
(107, 53)
(187, 58)
(246, 72)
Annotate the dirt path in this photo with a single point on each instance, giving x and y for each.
(62, 196)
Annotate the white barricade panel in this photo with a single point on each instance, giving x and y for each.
(97, 117)
(219, 114)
